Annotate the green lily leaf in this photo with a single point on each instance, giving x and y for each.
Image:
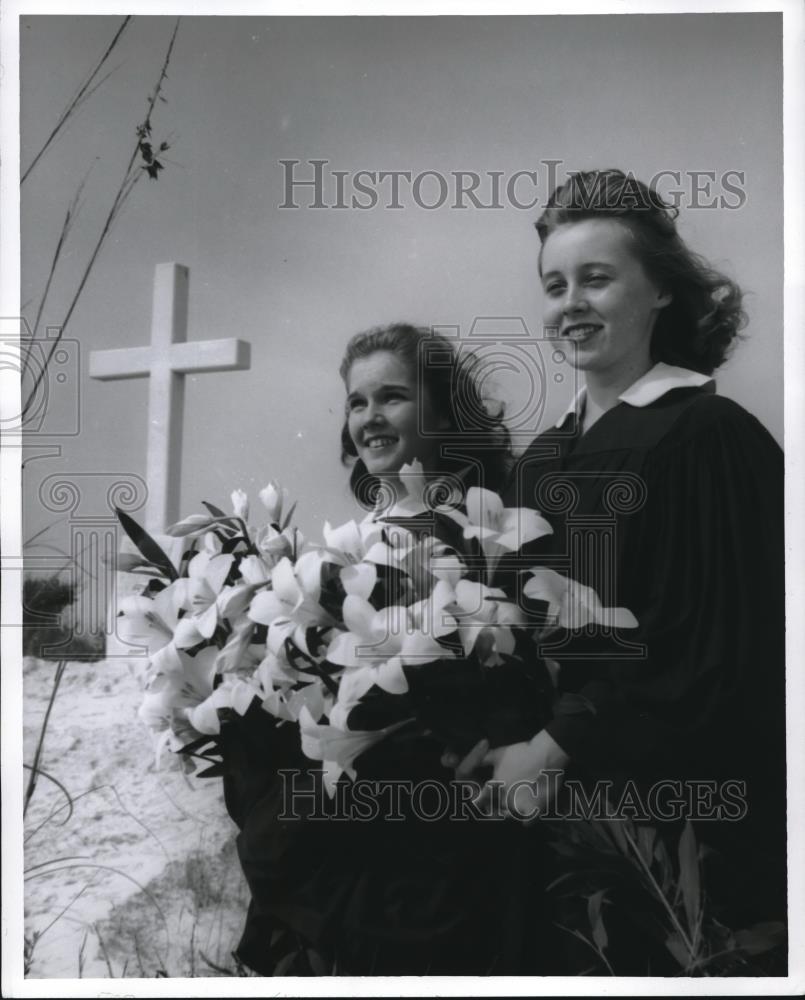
(146, 544)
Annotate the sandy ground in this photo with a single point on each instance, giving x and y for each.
(142, 878)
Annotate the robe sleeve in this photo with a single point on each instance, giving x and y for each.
(702, 569)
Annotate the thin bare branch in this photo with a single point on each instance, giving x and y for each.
(130, 177)
(77, 99)
(61, 788)
(100, 83)
(29, 791)
(69, 219)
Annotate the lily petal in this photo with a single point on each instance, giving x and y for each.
(187, 634)
(358, 615)
(284, 582)
(253, 570)
(346, 538)
(217, 571)
(266, 607)
(521, 525)
(359, 579)
(484, 508)
(208, 622)
(390, 676)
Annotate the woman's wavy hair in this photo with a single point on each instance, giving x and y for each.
(699, 326)
(474, 424)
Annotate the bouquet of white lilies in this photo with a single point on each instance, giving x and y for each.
(388, 624)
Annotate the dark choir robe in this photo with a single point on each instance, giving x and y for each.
(385, 891)
(672, 506)
(394, 895)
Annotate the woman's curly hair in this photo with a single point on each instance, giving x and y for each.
(476, 444)
(705, 315)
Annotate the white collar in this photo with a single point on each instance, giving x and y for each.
(648, 388)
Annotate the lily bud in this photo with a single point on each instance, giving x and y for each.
(273, 497)
(240, 504)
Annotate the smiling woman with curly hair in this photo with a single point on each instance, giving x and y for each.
(451, 427)
(665, 498)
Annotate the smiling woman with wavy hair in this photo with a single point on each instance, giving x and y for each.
(412, 374)
(668, 498)
(698, 327)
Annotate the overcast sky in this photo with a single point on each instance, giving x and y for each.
(645, 93)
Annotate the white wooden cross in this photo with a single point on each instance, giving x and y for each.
(166, 361)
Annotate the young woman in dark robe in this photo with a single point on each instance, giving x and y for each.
(667, 499)
(394, 894)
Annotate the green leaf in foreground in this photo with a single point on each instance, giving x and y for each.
(146, 544)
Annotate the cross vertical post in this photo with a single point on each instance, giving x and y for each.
(166, 397)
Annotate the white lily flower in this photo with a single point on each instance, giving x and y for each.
(499, 529)
(154, 622)
(378, 644)
(276, 704)
(373, 637)
(240, 504)
(310, 698)
(202, 588)
(359, 579)
(509, 528)
(274, 545)
(254, 571)
(236, 654)
(411, 503)
(155, 711)
(447, 567)
(273, 498)
(166, 662)
(433, 615)
(345, 540)
(142, 622)
(388, 675)
(275, 670)
(233, 601)
(384, 554)
(233, 693)
(278, 631)
(294, 595)
(412, 476)
(485, 621)
(179, 682)
(337, 748)
(350, 542)
(571, 605)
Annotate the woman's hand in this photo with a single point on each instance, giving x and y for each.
(525, 779)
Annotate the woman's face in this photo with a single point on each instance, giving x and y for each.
(386, 412)
(599, 297)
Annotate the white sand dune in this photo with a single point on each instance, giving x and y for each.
(131, 829)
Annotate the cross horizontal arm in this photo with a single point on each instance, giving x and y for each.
(227, 354)
(210, 355)
(127, 362)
